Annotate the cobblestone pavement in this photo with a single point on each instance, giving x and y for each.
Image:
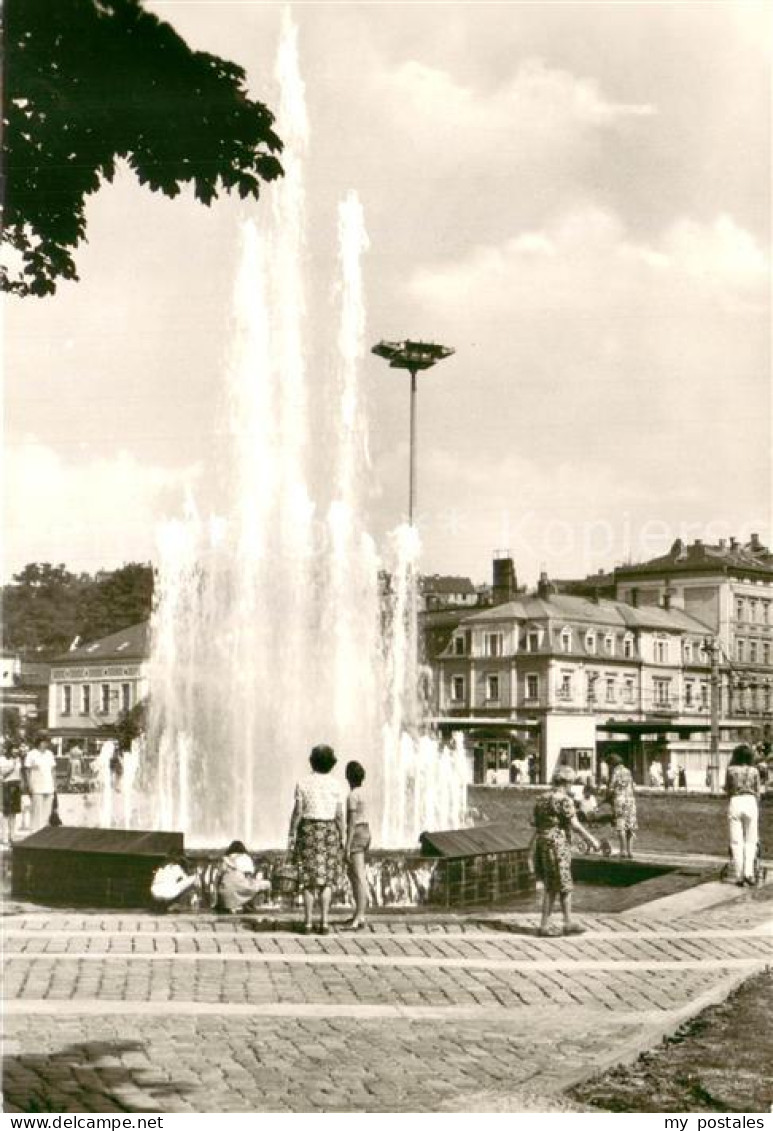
(183, 1013)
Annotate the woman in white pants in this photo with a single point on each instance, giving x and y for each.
(742, 785)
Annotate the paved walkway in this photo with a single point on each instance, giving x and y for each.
(183, 1013)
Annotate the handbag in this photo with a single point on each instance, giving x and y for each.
(55, 821)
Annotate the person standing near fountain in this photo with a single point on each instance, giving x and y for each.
(10, 772)
(555, 818)
(317, 836)
(357, 843)
(742, 786)
(623, 800)
(40, 764)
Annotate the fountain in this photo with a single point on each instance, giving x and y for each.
(270, 632)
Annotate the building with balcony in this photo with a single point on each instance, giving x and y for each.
(92, 684)
(575, 677)
(728, 586)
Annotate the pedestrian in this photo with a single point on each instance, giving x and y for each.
(670, 776)
(39, 765)
(682, 778)
(622, 797)
(555, 819)
(532, 765)
(604, 773)
(656, 775)
(237, 885)
(317, 835)
(357, 843)
(742, 786)
(10, 772)
(176, 883)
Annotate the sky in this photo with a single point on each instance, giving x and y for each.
(574, 196)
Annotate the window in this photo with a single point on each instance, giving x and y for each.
(752, 651)
(493, 643)
(753, 609)
(492, 687)
(766, 697)
(565, 687)
(739, 608)
(740, 650)
(688, 694)
(628, 689)
(66, 699)
(628, 647)
(86, 699)
(662, 688)
(766, 654)
(532, 687)
(661, 651)
(688, 651)
(458, 645)
(591, 686)
(104, 698)
(766, 612)
(610, 689)
(704, 695)
(566, 640)
(590, 641)
(609, 644)
(532, 642)
(457, 689)
(126, 696)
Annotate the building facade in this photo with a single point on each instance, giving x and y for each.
(729, 587)
(574, 677)
(93, 684)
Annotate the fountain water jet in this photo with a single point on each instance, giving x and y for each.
(269, 633)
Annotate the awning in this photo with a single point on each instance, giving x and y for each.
(638, 729)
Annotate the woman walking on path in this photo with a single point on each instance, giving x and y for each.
(555, 818)
(742, 785)
(623, 800)
(357, 843)
(317, 836)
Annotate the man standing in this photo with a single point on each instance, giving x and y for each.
(40, 763)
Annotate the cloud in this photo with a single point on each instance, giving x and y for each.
(586, 259)
(98, 513)
(541, 110)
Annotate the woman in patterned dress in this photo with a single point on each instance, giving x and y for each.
(317, 834)
(623, 800)
(555, 818)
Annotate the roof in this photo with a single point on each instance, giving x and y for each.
(438, 584)
(616, 614)
(112, 842)
(701, 557)
(129, 644)
(500, 836)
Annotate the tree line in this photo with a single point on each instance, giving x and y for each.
(46, 607)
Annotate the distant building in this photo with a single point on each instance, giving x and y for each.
(92, 684)
(576, 677)
(438, 592)
(24, 693)
(728, 586)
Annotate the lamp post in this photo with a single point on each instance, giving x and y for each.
(413, 356)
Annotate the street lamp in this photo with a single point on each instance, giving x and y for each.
(412, 356)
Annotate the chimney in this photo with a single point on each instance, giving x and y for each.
(722, 543)
(755, 545)
(544, 587)
(634, 598)
(668, 594)
(505, 585)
